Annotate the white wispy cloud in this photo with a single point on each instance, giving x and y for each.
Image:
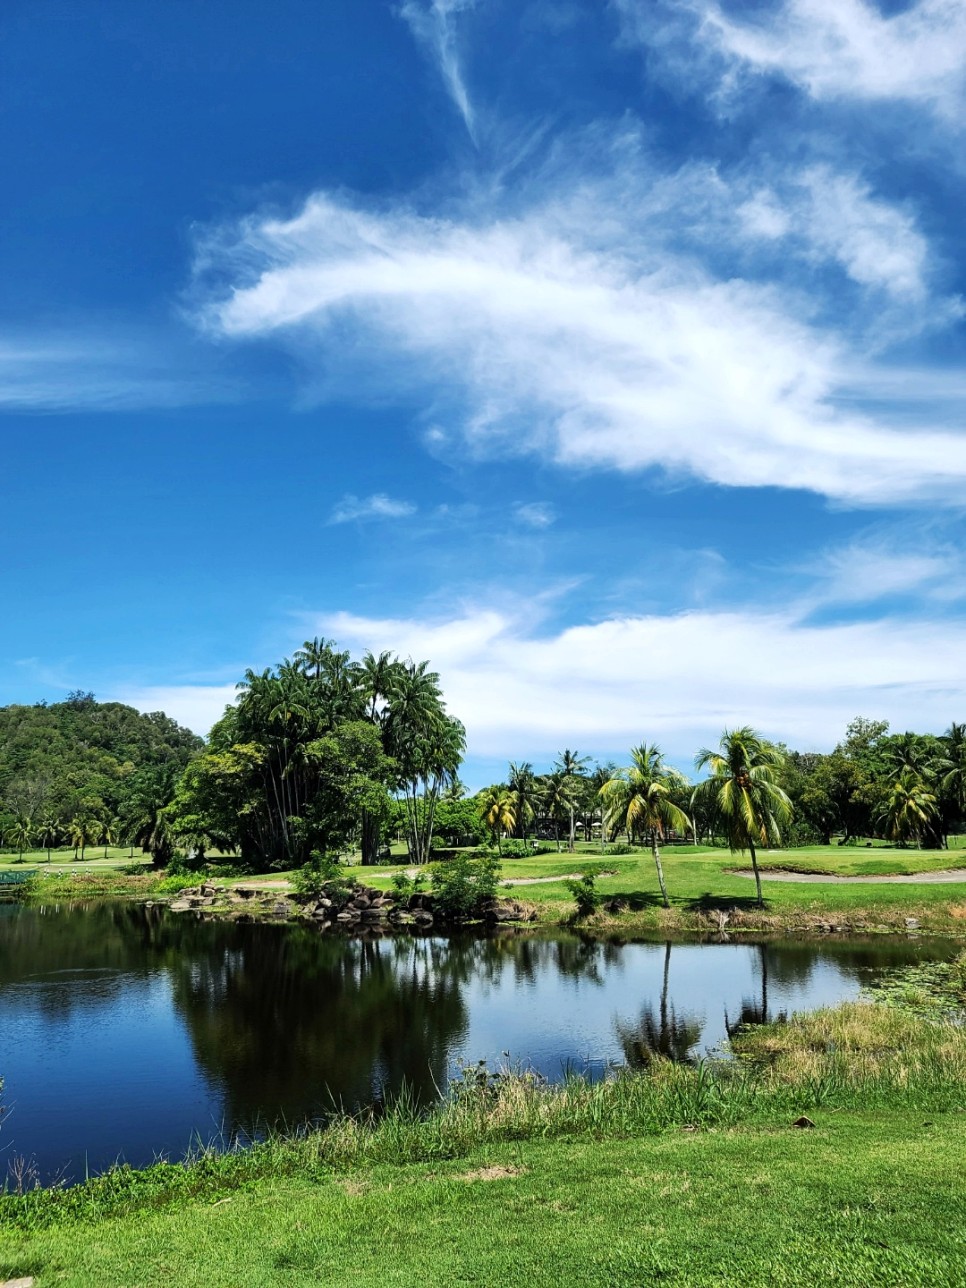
(679, 679)
(57, 372)
(835, 216)
(833, 49)
(434, 24)
(876, 567)
(377, 506)
(586, 327)
(536, 514)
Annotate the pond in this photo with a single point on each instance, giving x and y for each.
(129, 1032)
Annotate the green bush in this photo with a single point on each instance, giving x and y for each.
(322, 876)
(619, 847)
(587, 895)
(514, 849)
(462, 886)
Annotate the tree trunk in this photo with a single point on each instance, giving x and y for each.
(655, 850)
(754, 864)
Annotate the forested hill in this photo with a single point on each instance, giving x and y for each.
(85, 757)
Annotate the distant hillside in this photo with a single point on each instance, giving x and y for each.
(85, 757)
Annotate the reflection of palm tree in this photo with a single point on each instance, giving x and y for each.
(664, 1034)
(754, 1010)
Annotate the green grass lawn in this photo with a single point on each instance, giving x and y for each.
(861, 1200)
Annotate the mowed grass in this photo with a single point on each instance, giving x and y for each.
(857, 1201)
(702, 879)
(675, 1176)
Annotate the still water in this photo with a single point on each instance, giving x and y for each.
(131, 1033)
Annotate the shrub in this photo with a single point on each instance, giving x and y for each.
(514, 849)
(463, 885)
(619, 847)
(322, 876)
(404, 885)
(587, 895)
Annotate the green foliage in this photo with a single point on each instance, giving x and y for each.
(322, 876)
(586, 894)
(307, 759)
(72, 771)
(513, 849)
(462, 886)
(403, 885)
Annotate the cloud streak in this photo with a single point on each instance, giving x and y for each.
(433, 23)
(832, 49)
(577, 328)
(378, 506)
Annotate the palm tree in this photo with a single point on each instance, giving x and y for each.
(19, 834)
(570, 766)
(498, 807)
(640, 798)
(48, 832)
(522, 782)
(953, 768)
(910, 808)
(743, 786)
(557, 800)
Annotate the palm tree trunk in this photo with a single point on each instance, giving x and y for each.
(754, 864)
(655, 850)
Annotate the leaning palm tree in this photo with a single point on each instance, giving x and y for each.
(639, 798)
(744, 787)
(910, 809)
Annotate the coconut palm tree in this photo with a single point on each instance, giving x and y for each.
(743, 785)
(19, 834)
(49, 832)
(557, 800)
(910, 809)
(570, 766)
(640, 798)
(498, 807)
(522, 782)
(953, 768)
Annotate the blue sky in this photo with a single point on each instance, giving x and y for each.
(609, 355)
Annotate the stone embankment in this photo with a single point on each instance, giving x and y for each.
(361, 908)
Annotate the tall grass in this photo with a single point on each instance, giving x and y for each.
(855, 1056)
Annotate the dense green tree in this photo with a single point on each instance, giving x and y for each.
(911, 808)
(744, 784)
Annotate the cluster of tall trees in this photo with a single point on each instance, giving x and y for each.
(83, 773)
(312, 756)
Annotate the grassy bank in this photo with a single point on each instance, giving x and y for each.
(684, 1176)
(704, 884)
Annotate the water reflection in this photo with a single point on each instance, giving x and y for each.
(126, 1031)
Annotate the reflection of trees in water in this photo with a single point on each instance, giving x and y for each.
(305, 1022)
(755, 1010)
(529, 958)
(660, 1033)
(105, 945)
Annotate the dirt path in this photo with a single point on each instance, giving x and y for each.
(818, 878)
